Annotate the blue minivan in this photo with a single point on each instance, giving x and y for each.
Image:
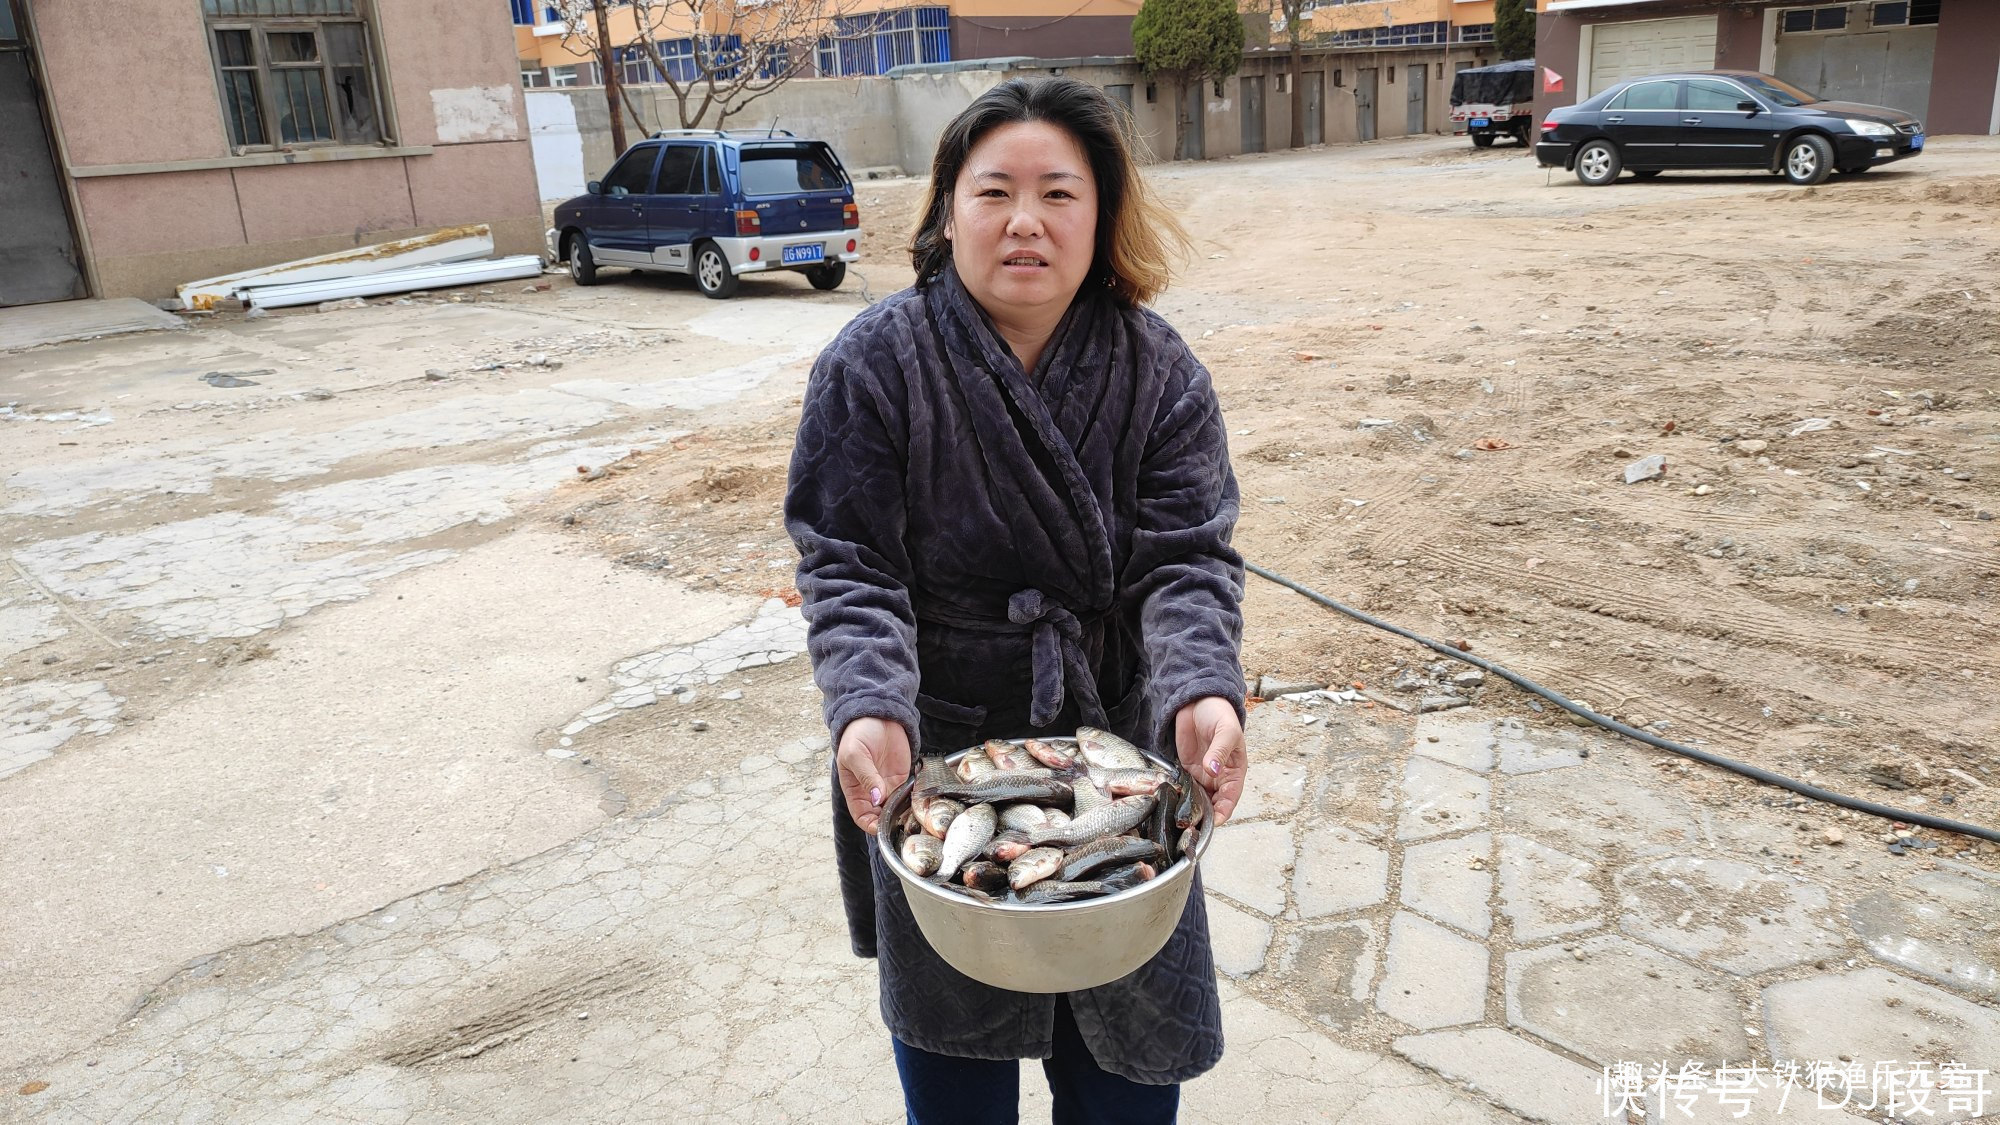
(717, 205)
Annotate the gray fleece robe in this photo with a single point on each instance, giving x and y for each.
(987, 552)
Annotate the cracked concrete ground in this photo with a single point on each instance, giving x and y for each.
(338, 785)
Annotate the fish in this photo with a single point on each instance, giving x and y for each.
(938, 814)
(1125, 878)
(1023, 817)
(1105, 851)
(961, 889)
(1005, 755)
(1160, 821)
(1085, 796)
(1057, 818)
(969, 832)
(973, 765)
(1057, 890)
(1105, 750)
(985, 876)
(1127, 783)
(1005, 845)
(1049, 754)
(1033, 866)
(1106, 820)
(1188, 813)
(1008, 789)
(922, 853)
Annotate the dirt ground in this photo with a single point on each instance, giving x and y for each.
(1436, 364)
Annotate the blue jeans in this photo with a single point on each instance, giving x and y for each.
(946, 1090)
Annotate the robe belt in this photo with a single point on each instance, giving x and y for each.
(1060, 664)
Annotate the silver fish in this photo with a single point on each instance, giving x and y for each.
(973, 765)
(1032, 867)
(922, 853)
(1023, 817)
(969, 832)
(937, 815)
(1086, 796)
(1105, 820)
(1005, 755)
(1057, 817)
(1049, 754)
(1127, 783)
(1105, 750)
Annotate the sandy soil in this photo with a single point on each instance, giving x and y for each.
(1436, 364)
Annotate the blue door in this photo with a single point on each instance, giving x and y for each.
(617, 219)
(674, 207)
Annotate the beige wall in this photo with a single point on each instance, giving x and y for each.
(452, 81)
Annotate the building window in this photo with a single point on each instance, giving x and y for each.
(1923, 12)
(877, 41)
(1473, 33)
(1281, 81)
(1392, 74)
(1218, 87)
(1434, 32)
(294, 72)
(532, 75)
(582, 74)
(1336, 78)
(524, 13)
(635, 68)
(1831, 18)
(1152, 93)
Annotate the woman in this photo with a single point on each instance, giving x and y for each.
(1012, 500)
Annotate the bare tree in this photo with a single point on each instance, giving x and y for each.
(717, 56)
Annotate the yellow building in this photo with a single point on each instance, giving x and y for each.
(1400, 23)
(866, 37)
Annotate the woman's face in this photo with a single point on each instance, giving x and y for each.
(1023, 225)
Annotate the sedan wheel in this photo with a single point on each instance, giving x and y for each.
(712, 274)
(1809, 159)
(1597, 164)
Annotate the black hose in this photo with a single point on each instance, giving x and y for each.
(1608, 723)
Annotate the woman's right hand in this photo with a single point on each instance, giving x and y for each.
(874, 758)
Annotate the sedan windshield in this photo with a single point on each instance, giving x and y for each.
(1781, 92)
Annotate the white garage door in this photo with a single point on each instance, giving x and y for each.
(1633, 50)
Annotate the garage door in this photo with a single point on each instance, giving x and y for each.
(1633, 50)
(1873, 63)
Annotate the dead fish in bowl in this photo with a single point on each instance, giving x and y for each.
(984, 875)
(974, 765)
(1005, 756)
(1106, 851)
(969, 833)
(1006, 846)
(1033, 866)
(922, 853)
(1105, 750)
(1105, 820)
(1013, 787)
(937, 814)
(1053, 891)
(1128, 783)
(1049, 754)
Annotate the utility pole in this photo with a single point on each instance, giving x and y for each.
(607, 60)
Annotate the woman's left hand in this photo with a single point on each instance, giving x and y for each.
(1209, 739)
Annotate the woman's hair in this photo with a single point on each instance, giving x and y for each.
(1137, 237)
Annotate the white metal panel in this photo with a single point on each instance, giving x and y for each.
(557, 144)
(1635, 49)
(396, 281)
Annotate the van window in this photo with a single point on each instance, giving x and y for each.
(782, 170)
(634, 174)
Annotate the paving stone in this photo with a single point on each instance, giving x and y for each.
(1440, 881)
(1438, 799)
(1241, 940)
(1432, 977)
(1338, 871)
(1249, 863)
(1932, 926)
(1873, 1016)
(1546, 893)
(1521, 752)
(1531, 1081)
(1329, 969)
(1729, 914)
(1273, 789)
(1625, 1002)
(1464, 743)
(1611, 811)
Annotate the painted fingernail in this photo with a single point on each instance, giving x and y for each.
(875, 795)
(1214, 767)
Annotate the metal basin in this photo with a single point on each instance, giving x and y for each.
(1059, 947)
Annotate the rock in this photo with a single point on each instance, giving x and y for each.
(538, 359)
(1910, 774)
(1750, 448)
(698, 725)
(1833, 836)
(731, 696)
(1474, 328)
(317, 394)
(1470, 678)
(436, 374)
(1703, 489)
(1307, 357)
(1271, 687)
(1650, 468)
(1442, 702)
(1409, 681)
(1374, 423)
(346, 303)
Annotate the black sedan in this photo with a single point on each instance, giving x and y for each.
(1722, 119)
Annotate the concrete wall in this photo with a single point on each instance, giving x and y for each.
(163, 199)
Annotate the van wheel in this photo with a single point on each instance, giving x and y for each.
(712, 274)
(1597, 163)
(828, 276)
(1482, 140)
(582, 267)
(1808, 160)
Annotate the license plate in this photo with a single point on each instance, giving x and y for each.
(813, 253)
(1917, 143)
(1480, 122)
